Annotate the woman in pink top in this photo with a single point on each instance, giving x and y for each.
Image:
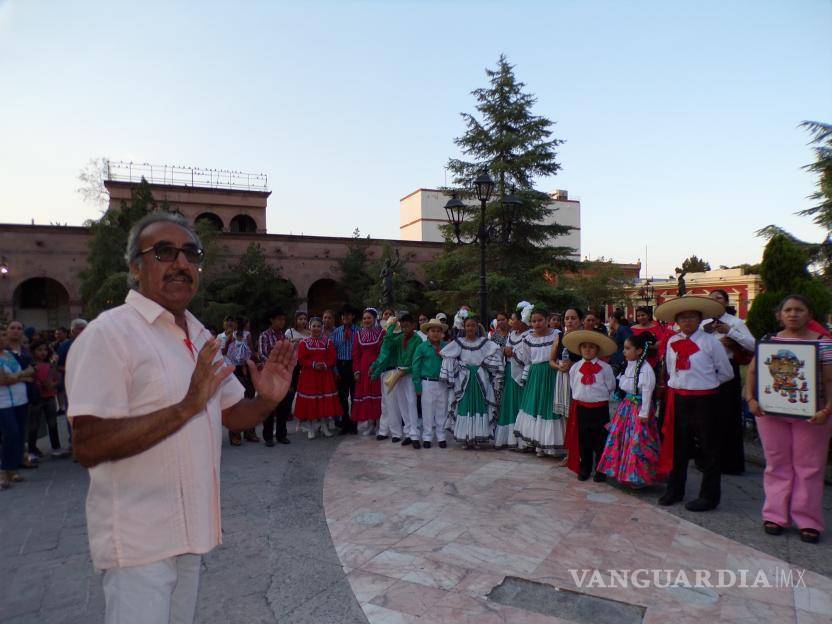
(45, 406)
(795, 449)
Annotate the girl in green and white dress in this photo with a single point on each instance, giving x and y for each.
(473, 368)
(537, 426)
(512, 391)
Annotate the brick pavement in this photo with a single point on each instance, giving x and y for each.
(277, 562)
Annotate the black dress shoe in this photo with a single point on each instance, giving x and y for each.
(395, 440)
(380, 437)
(407, 442)
(269, 443)
(426, 444)
(416, 444)
(700, 504)
(669, 498)
(583, 476)
(599, 477)
(284, 440)
(443, 444)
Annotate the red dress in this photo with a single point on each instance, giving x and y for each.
(316, 397)
(367, 400)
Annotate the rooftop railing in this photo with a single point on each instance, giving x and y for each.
(120, 171)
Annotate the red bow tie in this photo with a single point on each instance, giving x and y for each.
(684, 349)
(588, 371)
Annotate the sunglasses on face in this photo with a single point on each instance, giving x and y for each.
(165, 252)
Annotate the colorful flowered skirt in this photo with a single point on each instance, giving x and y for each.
(632, 451)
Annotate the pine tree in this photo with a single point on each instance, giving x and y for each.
(694, 264)
(106, 269)
(518, 148)
(354, 268)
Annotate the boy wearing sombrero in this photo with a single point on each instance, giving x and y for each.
(591, 381)
(697, 365)
(427, 364)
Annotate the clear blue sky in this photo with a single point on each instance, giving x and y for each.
(680, 118)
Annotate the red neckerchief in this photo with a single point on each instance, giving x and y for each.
(684, 349)
(588, 371)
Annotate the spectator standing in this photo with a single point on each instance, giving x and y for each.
(343, 337)
(275, 423)
(238, 350)
(14, 411)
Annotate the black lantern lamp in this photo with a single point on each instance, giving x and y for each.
(483, 185)
(455, 210)
(511, 203)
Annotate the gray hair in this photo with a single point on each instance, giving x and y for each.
(134, 254)
(76, 323)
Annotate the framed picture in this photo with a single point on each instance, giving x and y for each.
(788, 378)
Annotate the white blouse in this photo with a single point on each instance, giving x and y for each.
(646, 385)
(535, 349)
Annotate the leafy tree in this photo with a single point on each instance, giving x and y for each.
(600, 284)
(819, 255)
(693, 264)
(250, 287)
(783, 272)
(355, 269)
(91, 182)
(518, 148)
(107, 245)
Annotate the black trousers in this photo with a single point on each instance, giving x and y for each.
(346, 390)
(46, 409)
(696, 418)
(731, 447)
(592, 435)
(275, 423)
(242, 375)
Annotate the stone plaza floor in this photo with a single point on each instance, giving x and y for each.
(352, 530)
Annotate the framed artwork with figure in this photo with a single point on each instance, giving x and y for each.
(788, 379)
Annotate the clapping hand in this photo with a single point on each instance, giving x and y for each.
(275, 378)
(207, 377)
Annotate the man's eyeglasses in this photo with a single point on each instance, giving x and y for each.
(168, 253)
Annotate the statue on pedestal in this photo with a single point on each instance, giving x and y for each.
(387, 270)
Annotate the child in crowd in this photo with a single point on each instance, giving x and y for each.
(632, 450)
(592, 381)
(399, 348)
(427, 364)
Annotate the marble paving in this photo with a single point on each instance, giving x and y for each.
(424, 536)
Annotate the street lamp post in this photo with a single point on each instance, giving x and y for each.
(483, 187)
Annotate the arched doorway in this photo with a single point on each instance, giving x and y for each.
(243, 224)
(42, 303)
(323, 294)
(210, 219)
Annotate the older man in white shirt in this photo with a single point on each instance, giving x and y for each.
(739, 344)
(149, 394)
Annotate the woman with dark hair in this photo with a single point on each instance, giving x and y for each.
(316, 400)
(646, 323)
(795, 449)
(512, 390)
(366, 404)
(473, 367)
(538, 427)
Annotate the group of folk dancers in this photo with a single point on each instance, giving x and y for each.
(548, 391)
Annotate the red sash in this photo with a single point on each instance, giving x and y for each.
(665, 464)
(573, 449)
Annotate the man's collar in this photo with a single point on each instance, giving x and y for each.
(150, 311)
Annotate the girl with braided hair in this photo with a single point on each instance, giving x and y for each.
(632, 449)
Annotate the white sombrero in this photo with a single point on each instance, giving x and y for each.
(707, 307)
(574, 339)
(433, 323)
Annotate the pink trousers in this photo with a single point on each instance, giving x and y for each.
(796, 454)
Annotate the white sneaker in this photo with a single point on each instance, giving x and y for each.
(310, 435)
(326, 431)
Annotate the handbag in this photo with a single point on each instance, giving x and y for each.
(394, 377)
